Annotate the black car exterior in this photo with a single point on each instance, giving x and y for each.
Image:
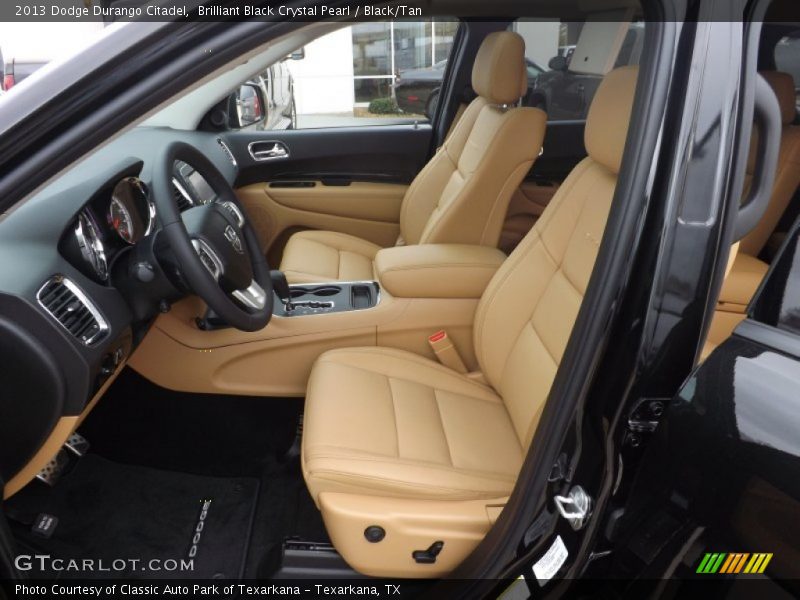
(717, 497)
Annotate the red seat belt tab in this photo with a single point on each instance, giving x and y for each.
(446, 352)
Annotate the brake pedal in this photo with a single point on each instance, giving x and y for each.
(52, 471)
(77, 444)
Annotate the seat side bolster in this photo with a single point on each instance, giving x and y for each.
(320, 256)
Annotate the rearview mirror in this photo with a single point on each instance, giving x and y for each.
(558, 63)
(298, 54)
(249, 105)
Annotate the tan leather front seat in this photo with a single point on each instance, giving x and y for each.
(748, 270)
(462, 194)
(397, 441)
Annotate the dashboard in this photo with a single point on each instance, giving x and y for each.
(75, 299)
(121, 214)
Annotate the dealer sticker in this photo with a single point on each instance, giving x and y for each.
(551, 562)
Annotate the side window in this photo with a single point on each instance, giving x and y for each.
(787, 59)
(568, 59)
(374, 73)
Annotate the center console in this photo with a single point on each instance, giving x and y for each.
(322, 298)
(418, 291)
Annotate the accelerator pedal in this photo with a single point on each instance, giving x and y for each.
(52, 471)
(77, 444)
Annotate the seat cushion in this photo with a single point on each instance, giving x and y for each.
(740, 285)
(387, 422)
(743, 280)
(319, 256)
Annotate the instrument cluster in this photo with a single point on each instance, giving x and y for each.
(119, 217)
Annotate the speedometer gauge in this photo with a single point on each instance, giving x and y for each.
(121, 220)
(129, 212)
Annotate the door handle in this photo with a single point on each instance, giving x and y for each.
(268, 150)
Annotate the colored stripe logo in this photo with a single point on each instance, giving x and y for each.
(734, 562)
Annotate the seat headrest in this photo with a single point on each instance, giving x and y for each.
(783, 86)
(498, 68)
(609, 117)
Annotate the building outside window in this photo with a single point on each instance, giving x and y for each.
(344, 71)
(382, 51)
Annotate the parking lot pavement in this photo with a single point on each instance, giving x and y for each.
(322, 121)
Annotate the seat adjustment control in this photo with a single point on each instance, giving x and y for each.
(427, 557)
(374, 534)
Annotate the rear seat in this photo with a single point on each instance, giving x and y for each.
(748, 270)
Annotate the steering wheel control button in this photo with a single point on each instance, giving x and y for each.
(208, 257)
(234, 211)
(374, 534)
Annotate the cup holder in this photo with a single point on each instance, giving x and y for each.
(324, 290)
(327, 290)
(323, 298)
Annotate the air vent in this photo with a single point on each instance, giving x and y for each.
(182, 198)
(69, 306)
(227, 151)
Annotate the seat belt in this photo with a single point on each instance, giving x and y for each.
(446, 352)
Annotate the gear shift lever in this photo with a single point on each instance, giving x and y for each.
(281, 287)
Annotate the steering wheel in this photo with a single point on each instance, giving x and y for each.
(216, 248)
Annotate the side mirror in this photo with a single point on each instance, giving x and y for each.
(249, 105)
(298, 54)
(558, 63)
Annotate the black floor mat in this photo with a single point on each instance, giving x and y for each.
(167, 448)
(285, 509)
(111, 511)
(138, 422)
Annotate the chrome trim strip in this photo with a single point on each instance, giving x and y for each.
(151, 214)
(226, 149)
(102, 324)
(91, 247)
(179, 186)
(279, 150)
(253, 296)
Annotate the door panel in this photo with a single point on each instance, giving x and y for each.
(346, 179)
(365, 209)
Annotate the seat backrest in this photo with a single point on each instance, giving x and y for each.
(787, 174)
(462, 194)
(525, 317)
